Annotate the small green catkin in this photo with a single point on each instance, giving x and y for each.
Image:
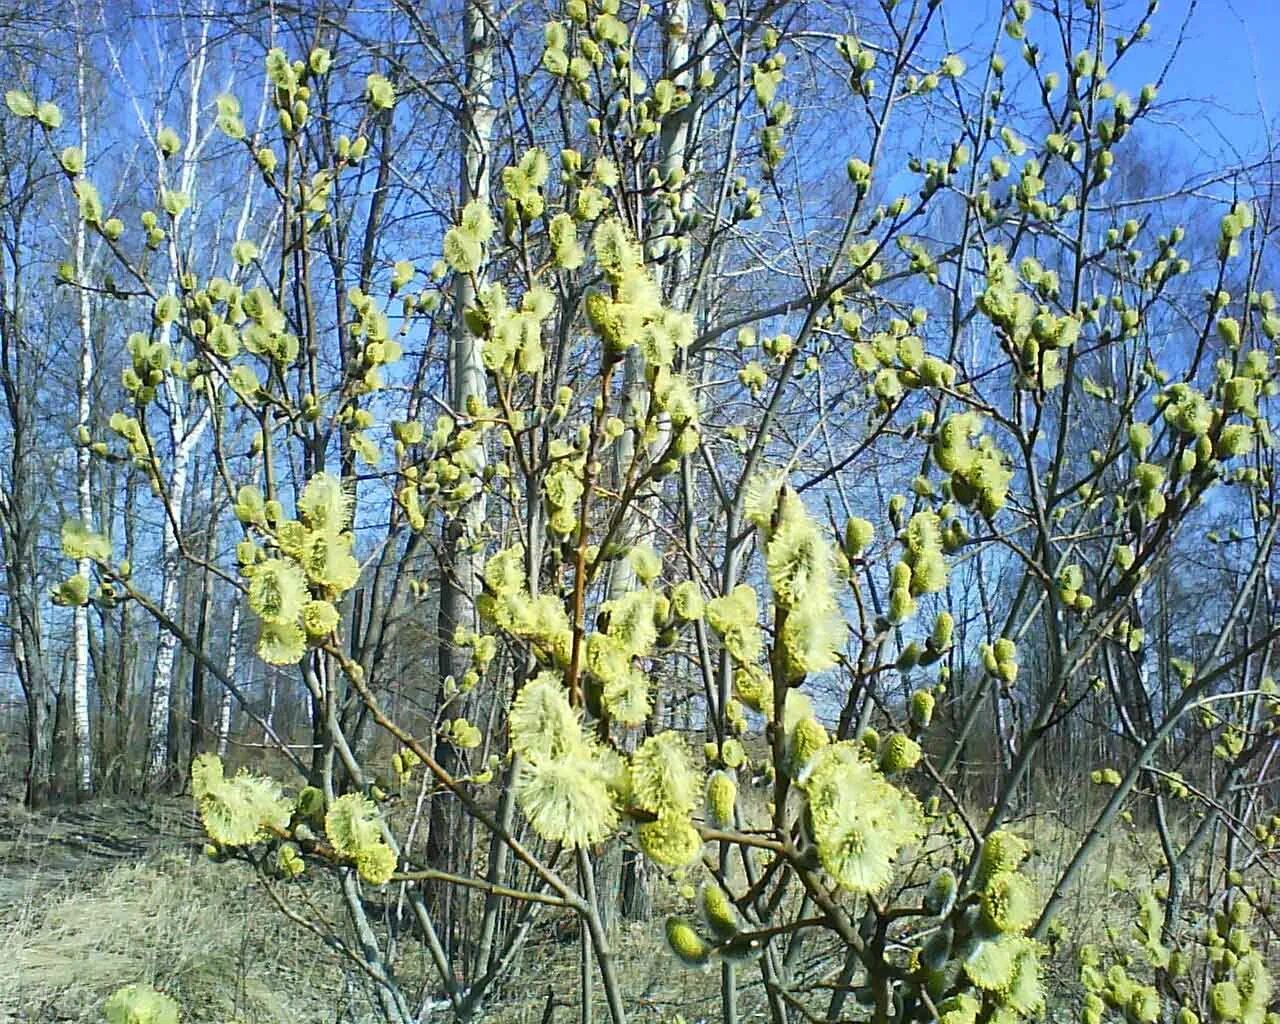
(808, 737)
(935, 952)
(718, 912)
(943, 626)
(1224, 1002)
(289, 861)
(722, 794)
(140, 1004)
(1001, 851)
(858, 535)
(670, 841)
(922, 702)
(899, 753)
(690, 948)
(1008, 903)
(940, 897)
(901, 605)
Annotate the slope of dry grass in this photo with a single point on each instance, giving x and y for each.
(94, 897)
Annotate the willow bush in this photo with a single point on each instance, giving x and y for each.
(630, 494)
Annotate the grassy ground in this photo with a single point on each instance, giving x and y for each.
(93, 897)
(98, 896)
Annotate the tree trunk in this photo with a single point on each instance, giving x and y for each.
(127, 656)
(20, 527)
(273, 687)
(637, 895)
(197, 671)
(162, 684)
(462, 557)
(631, 886)
(62, 750)
(35, 686)
(186, 438)
(224, 704)
(84, 494)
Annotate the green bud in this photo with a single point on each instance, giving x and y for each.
(689, 947)
(922, 703)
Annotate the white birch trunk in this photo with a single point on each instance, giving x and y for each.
(463, 558)
(81, 725)
(672, 156)
(273, 678)
(224, 705)
(185, 442)
(466, 368)
(162, 683)
(618, 871)
(467, 375)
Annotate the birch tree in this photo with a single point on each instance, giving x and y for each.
(461, 550)
(83, 735)
(177, 156)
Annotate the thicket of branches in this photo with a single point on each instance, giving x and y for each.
(745, 458)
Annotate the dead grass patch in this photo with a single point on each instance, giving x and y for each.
(200, 932)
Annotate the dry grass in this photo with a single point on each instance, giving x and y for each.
(207, 935)
(1127, 856)
(102, 895)
(193, 929)
(106, 895)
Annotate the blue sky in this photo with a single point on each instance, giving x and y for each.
(1227, 68)
(1222, 90)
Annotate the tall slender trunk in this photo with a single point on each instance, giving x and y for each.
(224, 704)
(127, 656)
(19, 535)
(626, 872)
(62, 748)
(197, 670)
(273, 690)
(162, 683)
(35, 686)
(115, 733)
(186, 438)
(466, 369)
(81, 727)
(462, 557)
